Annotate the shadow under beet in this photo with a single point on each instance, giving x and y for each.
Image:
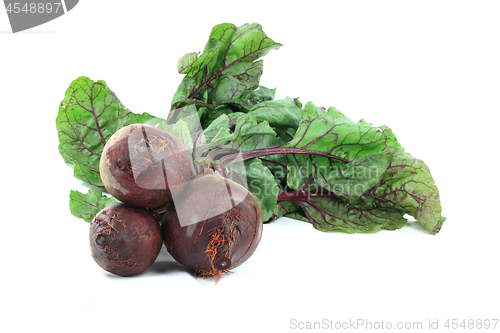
(165, 264)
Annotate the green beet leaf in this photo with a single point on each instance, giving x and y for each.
(358, 145)
(218, 130)
(251, 98)
(285, 208)
(184, 66)
(248, 134)
(228, 88)
(332, 132)
(407, 184)
(228, 69)
(350, 180)
(329, 213)
(209, 116)
(87, 205)
(181, 131)
(260, 182)
(191, 65)
(282, 113)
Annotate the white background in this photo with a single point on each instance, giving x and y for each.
(428, 69)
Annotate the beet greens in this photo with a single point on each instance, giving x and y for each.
(305, 162)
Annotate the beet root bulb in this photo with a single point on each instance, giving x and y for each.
(124, 240)
(213, 225)
(142, 165)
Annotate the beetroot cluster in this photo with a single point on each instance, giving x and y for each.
(207, 222)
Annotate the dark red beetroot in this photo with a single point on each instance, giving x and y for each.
(141, 164)
(216, 225)
(125, 240)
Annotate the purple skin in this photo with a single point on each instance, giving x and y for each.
(212, 245)
(142, 165)
(124, 240)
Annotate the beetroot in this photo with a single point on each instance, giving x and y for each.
(124, 240)
(141, 165)
(213, 225)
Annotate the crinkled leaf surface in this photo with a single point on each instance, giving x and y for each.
(191, 65)
(87, 205)
(350, 180)
(405, 187)
(182, 97)
(331, 132)
(253, 97)
(218, 129)
(329, 213)
(228, 68)
(248, 134)
(284, 208)
(184, 65)
(228, 88)
(407, 184)
(278, 113)
(209, 116)
(373, 190)
(282, 115)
